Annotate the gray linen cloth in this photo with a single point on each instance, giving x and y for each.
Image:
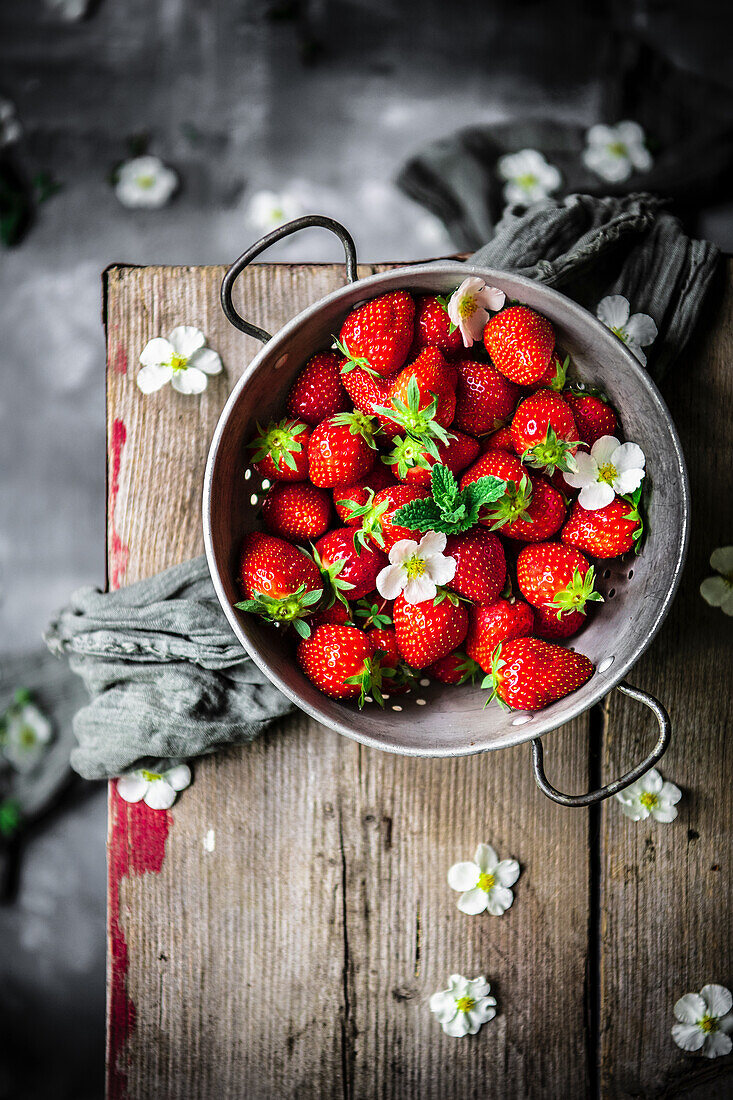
(167, 677)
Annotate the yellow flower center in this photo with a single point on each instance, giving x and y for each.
(708, 1024)
(648, 800)
(178, 362)
(486, 881)
(150, 776)
(619, 331)
(527, 181)
(467, 306)
(27, 737)
(618, 149)
(465, 1004)
(145, 182)
(414, 567)
(607, 472)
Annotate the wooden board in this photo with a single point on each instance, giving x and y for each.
(298, 956)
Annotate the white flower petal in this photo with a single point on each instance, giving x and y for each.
(663, 813)
(151, 378)
(670, 793)
(716, 590)
(725, 1023)
(613, 311)
(179, 777)
(585, 472)
(641, 329)
(443, 1004)
(207, 360)
(651, 781)
(402, 550)
(420, 589)
(458, 985)
(458, 1026)
(188, 381)
(600, 134)
(593, 497)
(473, 902)
(159, 795)
(499, 900)
(485, 858)
(635, 811)
(629, 132)
(506, 873)
(690, 1008)
(717, 998)
(478, 988)
(491, 298)
(727, 604)
(629, 456)
(441, 569)
(628, 481)
(716, 1045)
(157, 352)
(131, 787)
(688, 1036)
(463, 876)
(431, 543)
(185, 340)
(604, 449)
(485, 1010)
(391, 581)
(722, 559)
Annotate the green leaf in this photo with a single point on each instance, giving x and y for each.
(419, 515)
(302, 628)
(444, 487)
(487, 489)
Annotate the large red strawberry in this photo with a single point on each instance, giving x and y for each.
(297, 510)
(480, 564)
(495, 464)
(359, 493)
(544, 431)
(341, 449)
(414, 465)
(318, 391)
(398, 676)
(496, 622)
(378, 334)
(556, 576)
(428, 631)
(548, 626)
(606, 533)
(340, 661)
(278, 580)
(368, 392)
(554, 376)
(484, 397)
(500, 440)
(280, 450)
(531, 511)
(520, 343)
(456, 668)
(593, 416)
(433, 328)
(350, 569)
(377, 518)
(436, 382)
(528, 674)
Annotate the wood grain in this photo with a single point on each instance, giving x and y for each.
(298, 956)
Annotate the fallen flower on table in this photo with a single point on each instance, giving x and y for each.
(615, 152)
(145, 183)
(484, 883)
(636, 330)
(705, 1021)
(464, 1006)
(182, 360)
(266, 210)
(718, 591)
(529, 177)
(611, 467)
(650, 796)
(24, 733)
(156, 789)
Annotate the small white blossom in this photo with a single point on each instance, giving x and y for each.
(156, 789)
(637, 330)
(416, 569)
(650, 796)
(718, 591)
(70, 10)
(705, 1021)
(464, 1006)
(615, 152)
(611, 467)
(10, 129)
(182, 360)
(529, 177)
(145, 183)
(266, 210)
(484, 883)
(25, 736)
(469, 305)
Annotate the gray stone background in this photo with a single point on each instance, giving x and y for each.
(324, 97)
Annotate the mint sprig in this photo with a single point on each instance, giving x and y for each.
(450, 510)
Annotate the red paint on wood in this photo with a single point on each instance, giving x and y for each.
(136, 846)
(119, 362)
(118, 551)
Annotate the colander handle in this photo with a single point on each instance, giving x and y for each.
(307, 222)
(589, 799)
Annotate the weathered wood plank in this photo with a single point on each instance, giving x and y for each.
(298, 956)
(666, 889)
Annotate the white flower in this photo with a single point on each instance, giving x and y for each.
(27, 732)
(705, 1021)
(529, 178)
(718, 591)
(156, 789)
(615, 152)
(637, 331)
(10, 128)
(611, 467)
(650, 795)
(145, 182)
(484, 883)
(416, 569)
(464, 1006)
(267, 210)
(181, 360)
(469, 305)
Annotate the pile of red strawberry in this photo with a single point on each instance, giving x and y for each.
(403, 431)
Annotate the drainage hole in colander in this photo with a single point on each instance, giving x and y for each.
(421, 702)
(281, 362)
(395, 707)
(247, 474)
(368, 699)
(385, 695)
(630, 573)
(266, 483)
(424, 682)
(611, 593)
(605, 664)
(522, 719)
(253, 499)
(606, 574)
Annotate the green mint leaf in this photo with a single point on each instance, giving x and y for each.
(444, 487)
(486, 490)
(419, 515)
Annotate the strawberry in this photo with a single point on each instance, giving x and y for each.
(402, 677)
(548, 626)
(359, 493)
(433, 328)
(554, 376)
(340, 661)
(544, 431)
(605, 533)
(528, 674)
(280, 451)
(338, 614)
(484, 397)
(349, 570)
(429, 630)
(341, 449)
(377, 336)
(377, 518)
(500, 440)
(495, 464)
(297, 510)
(456, 668)
(367, 391)
(556, 576)
(318, 391)
(436, 381)
(593, 416)
(520, 343)
(413, 464)
(278, 580)
(496, 622)
(531, 511)
(480, 565)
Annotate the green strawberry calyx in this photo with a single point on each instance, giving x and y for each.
(359, 424)
(284, 609)
(278, 441)
(371, 516)
(371, 678)
(444, 301)
(635, 516)
(561, 370)
(372, 614)
(575, 596)
(468, 668)
(352, 361)
(492, 680)
(333, 585)
(553, 454)
(450, 510)
(408, 454)
(419, 424)
(513, 505)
